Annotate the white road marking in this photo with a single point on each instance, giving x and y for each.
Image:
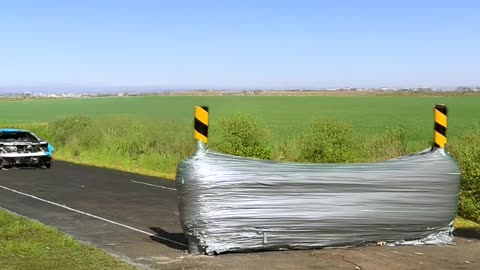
(93, 216)
(152, 185)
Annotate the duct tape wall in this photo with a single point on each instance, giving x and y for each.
(229, 203)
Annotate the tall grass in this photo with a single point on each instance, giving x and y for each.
(156, 148)
(467, 153)
(153, 148)
(28, 244)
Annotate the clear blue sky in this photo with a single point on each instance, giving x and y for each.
(239, 43)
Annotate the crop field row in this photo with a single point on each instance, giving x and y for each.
(285, 115)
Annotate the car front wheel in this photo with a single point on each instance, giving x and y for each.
(48, 164)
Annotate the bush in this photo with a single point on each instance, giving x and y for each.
(328, 141)
(62, 132)
(118, 142)
(385, 146)
(242, 135)
(129, 143)
(123, 136)
(467, 153)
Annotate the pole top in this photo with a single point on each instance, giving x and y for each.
(442, 108)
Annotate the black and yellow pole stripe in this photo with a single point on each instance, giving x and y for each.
(440, 137)
(201, 124)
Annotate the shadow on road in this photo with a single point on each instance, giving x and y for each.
(467, 233)
(160, 234)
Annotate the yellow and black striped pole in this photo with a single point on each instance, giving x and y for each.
(201, 124)
(440, 137)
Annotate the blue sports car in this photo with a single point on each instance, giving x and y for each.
(23, 148)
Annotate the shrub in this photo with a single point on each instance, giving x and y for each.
(61, 132)
(385, 146)
(327, 141)
(467, 153)
(121, 142)
(123, 136)
(242, 135)
(156, 145)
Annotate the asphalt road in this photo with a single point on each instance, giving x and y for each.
(136, 217)
(129, 215)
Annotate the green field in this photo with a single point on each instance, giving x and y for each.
(287, 115)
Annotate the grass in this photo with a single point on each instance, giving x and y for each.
(370, 114)
(465, 224)
(169, 119)
(287, 116)
(26, 244)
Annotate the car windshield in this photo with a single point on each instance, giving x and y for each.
(20, 136)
